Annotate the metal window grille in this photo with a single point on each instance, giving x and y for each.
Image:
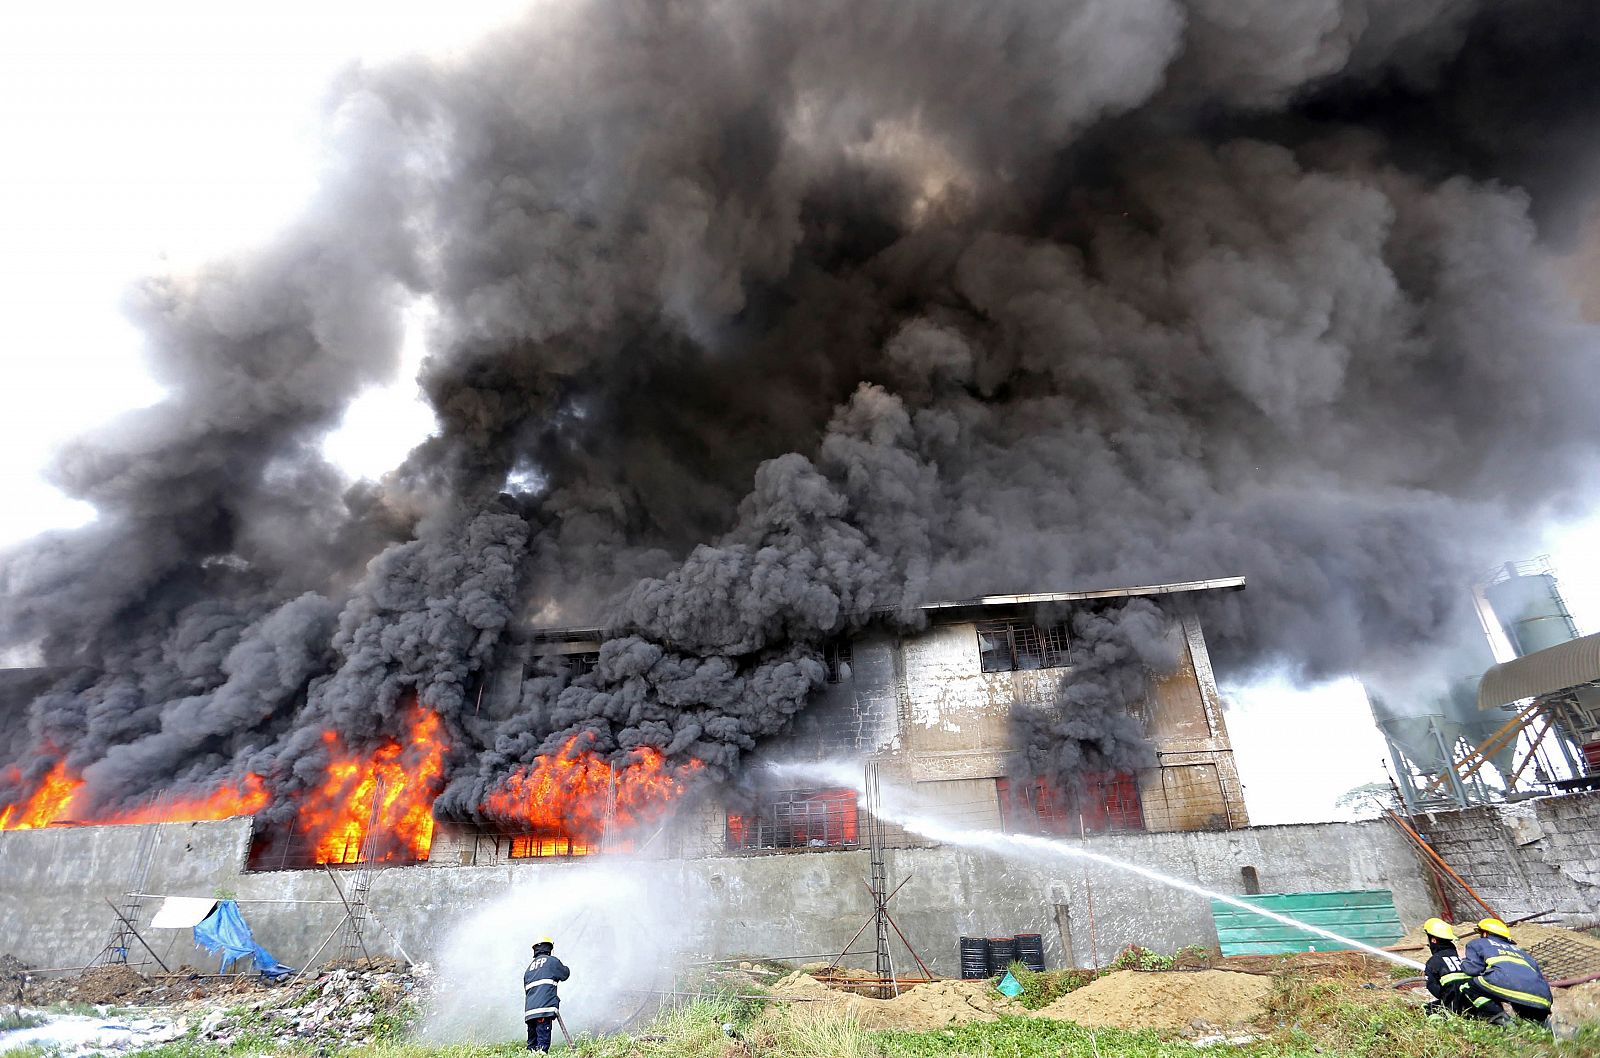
(530, 846)
(581, 664)
(1017, 646)
(1099, 803)
(838, 659)
(797, 819)
(285, 849)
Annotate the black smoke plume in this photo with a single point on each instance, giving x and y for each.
(1093, 725)
(981, 297)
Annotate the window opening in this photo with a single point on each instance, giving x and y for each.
(581, 664)
(1099, 803)
(532, 846)
(796, 819)
(1018, 646)
(837, 657)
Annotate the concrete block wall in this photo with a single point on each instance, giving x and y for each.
(1526, 857)
(54, 885)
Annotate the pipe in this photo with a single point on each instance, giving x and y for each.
(1568, 982)
(1428, 849)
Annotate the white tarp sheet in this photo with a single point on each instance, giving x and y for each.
(182, 912)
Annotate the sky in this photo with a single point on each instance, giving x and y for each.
(145, 138)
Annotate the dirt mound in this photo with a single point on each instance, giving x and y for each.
(101, 984)
(1130, 999)
(925, 1006)
(1320, 963)
(13, 972)
(1578, 1004)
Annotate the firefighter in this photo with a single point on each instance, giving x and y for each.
(540, 1003)
(1498, 969)
(1445, 977)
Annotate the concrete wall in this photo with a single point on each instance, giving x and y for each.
(54, 884)
(1526, 857)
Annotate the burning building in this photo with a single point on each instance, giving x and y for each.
(944, 708)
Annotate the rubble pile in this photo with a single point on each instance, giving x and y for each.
(338, 1007)
(344, 1007)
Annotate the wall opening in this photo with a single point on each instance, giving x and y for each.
(1252, 882)
(796, 819)
(837, 658)
(1017, 646)
(1097, 803)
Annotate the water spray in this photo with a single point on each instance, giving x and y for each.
(850, 775)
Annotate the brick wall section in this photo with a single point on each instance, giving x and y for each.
(1527, 857)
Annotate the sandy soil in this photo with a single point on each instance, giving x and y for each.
(927, 1006)
(1129, 999)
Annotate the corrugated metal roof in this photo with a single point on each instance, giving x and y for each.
(553, 635)
(1554, 669)
(1367, 916)
(1222, 584)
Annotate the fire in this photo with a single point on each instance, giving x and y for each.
(573, 794)
(57, 799)
(335, 816)
(245, 799)
(47, 803)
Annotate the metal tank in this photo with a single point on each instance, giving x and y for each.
(1529, 607)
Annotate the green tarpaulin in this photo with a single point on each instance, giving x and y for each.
(1367, 916)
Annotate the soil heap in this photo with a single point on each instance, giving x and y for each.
(1131, 999)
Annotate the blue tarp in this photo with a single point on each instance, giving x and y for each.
(224, 930)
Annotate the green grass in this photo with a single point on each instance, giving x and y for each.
(16, 1019)
(1315, 1019)
(32, 1050)
(1040, 989)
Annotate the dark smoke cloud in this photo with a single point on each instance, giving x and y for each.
(1093, 724)
(981, 298)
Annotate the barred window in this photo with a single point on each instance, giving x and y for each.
(797, 819)
(581, 664)
(837, 657)
(1097, 803)
(529, 847)
(1015, 646)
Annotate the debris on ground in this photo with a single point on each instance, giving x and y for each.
(338, 1007)
(1192, 1001)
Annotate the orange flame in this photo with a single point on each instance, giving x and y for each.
(47, 803)
(335, 816)
(572, 793)
(57, 800)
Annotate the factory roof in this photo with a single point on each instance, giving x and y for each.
(1557, 668)
(593, 634)
(1178, 588)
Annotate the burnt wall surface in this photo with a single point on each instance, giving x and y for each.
(54, 885)
(1523, 858)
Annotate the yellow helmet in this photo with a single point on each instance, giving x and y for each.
(1495, 926)
(1438, 927)
(544, 940)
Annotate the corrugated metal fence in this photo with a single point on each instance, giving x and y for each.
(1364, 915)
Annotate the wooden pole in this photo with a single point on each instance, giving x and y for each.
(1436, 858)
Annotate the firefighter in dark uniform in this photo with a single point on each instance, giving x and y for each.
(1498, 969)
(540, 1003)
(1445, 977)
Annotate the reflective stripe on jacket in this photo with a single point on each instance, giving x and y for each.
(1505, 970)
(539, 998)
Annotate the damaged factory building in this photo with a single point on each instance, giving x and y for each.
(939, 707)
(773, 865)
(935, 708)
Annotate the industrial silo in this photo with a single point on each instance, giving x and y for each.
(1529, 607)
